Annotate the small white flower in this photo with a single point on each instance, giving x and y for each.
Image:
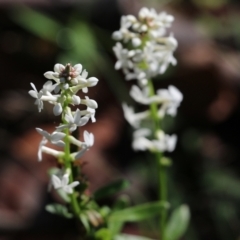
(133, 118)
(73, 120)
(123, 57)
(88, 139)
(89, 102)
(63, 183)
(140, 142)
(90, 113)
(57, 109)
(140, 96)
(54, 137)
(48, 87)
(170, 100)
(165, 142)
(38, 95)
(76, 100)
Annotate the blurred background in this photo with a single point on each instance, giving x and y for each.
(36, 34)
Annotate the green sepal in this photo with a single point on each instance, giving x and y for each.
(178, 223)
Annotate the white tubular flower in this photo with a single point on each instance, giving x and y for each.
(157, 50)
(88, 139)
(134, 119)
(48, 87)
(50, 151)
(140, 142)
(73, 120)
(38, 95)
(41, 144)
(76, 100)
(78, 154)
(170, 100)
(54, 138)
(57, 109)
(89, 102)
(90, 113)
(123, 56)
(164, 142)
(88, 142)
(63, 183)
(140, 96)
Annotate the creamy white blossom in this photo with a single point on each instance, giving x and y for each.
(73, 120)
(133, 118)
(55, 137)
(38, 95)
(62, 183)
(66, 81)
(148, 37)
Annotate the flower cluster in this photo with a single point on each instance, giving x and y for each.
(61, 91)
(145, 50)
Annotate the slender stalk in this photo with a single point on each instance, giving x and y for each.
(68, 165)
(162, 176)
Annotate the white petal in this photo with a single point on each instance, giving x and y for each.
(73, 184)
(58, 68)
(78, 68)
(33, 86)
(33, 93)
(67, 189)
(136, 42)
(77, 116)
(85, 90)
(92, 81)
(91, 103)
(83, 121)
(65, 179)
(56, 136)
(76, 100)
(57, 109)
(56, 182)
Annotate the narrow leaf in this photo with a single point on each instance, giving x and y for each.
(138, 213)
(178, 223)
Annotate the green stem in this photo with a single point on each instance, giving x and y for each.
(68, 162)
(162, 176)
(69, 168)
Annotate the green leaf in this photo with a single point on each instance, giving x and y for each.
(111, 189)
(103, 234)
(130, 237)
(178, 223)
(39, 24)
(115, 227)
(59, 210)
(138, 213)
